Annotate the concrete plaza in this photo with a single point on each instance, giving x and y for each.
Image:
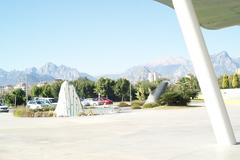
(176, 134)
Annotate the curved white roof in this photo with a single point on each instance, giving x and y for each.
(215, 14)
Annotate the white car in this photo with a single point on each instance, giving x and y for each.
(85, 102)
(49, 101)
(93, 102)
(3, 108)
(35, 104)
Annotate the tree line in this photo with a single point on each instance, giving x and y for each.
(116, 90)
(113, 89)
(229, 81)
(180, 92)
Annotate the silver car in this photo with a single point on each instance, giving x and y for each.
(36, 104)
(3, 108)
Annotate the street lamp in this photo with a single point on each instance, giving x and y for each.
(130, 91)
(26, 91)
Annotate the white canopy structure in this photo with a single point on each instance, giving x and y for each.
(68, 101)
(211, 14)
(214, 14)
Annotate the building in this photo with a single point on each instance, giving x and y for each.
(20, 86)
(237, 71)
(8, 88)
(153, 76)
(1, 90)
(41, 84)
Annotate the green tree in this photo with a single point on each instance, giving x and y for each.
(182, 92)
(220, 81)
(46, 91)
(122, 88)
(235, 81)
(225, 82)
(105, 88)
(230, 79)
(174, 98)
(143, 89)
(188, 86)
(55, 88)
(36, 91)
(20, 96)
(84, 88)
(9, 99)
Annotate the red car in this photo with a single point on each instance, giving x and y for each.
(106, 101)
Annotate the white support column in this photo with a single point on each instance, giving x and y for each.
(204, 71)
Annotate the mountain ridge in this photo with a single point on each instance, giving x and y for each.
(46, 73)
(169, 67)
(176, 67)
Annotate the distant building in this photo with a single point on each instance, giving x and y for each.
(153, 76)
(237, 71)
(41, 84)
(20, 86)
(1, 90)
(8, 88)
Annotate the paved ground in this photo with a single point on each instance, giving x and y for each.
(181, 134)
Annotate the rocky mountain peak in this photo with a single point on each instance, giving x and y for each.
(170, 67)
(46, 73)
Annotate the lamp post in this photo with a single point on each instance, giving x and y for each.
(130, 92)
(26, 91)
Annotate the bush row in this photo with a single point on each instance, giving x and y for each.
(123, 104)
(150, 105)
(25, 112)
(172, 98)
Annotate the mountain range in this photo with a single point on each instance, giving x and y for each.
(176, 67)
(47, 73)
(170, 67)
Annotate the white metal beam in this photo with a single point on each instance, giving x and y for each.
(214, 14)
(204, 71)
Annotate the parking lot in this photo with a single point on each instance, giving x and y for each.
(181, 134)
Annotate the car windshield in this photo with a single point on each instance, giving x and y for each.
(39, 102)
(53, 100)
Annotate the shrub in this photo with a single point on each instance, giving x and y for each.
(123, 104)
(47, 114)
(26, 112)
(174, 98)
(82, 114)
(136, 107)
(23, 112)
(48, 108)
(150, 105)
(38, 114)
(51, 114)
(137, 103)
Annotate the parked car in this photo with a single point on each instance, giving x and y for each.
(49, 101)
(36, 104)
(3, 108)
(93, 101)
(85, 102)
(106, 101)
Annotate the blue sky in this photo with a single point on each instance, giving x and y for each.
(95, 36)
